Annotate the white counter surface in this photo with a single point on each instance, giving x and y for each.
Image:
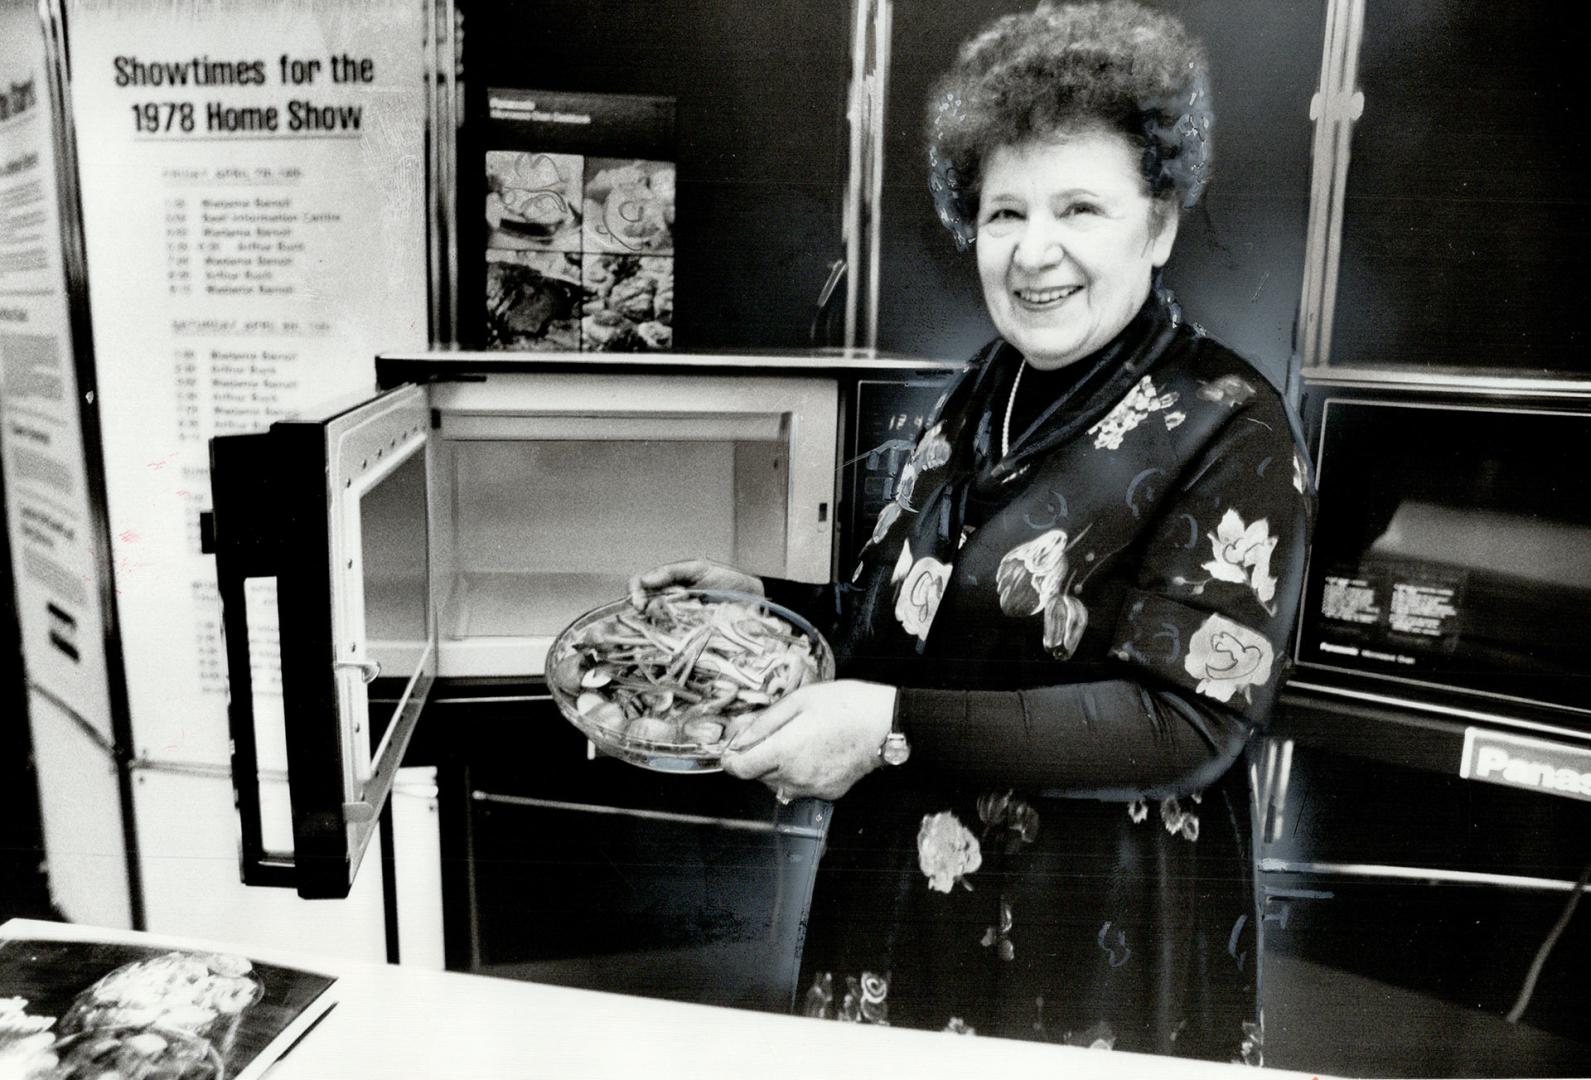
(393, 1021)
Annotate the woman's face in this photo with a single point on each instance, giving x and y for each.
(1067, 240)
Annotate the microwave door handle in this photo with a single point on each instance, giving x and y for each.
(359, 812)
(369, 670)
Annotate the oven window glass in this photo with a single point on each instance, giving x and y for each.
(1454, 549)
(397, 605)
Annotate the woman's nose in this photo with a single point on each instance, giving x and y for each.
(1039, 247)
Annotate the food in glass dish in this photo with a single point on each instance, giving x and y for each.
(201, 994)
(26, 1042)
(148, 1052)
(675, 673)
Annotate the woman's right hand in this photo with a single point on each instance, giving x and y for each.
(692, 574)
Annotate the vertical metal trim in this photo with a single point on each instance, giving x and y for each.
(883, 22)
(389, 883)
(1350, 106)
(430, 53)
(1256, 821)
(1334, 107)
(449, 153)
(870, 36)
(856, 116)
(1278, 800)
(1265, 782)
(1319, 188)
(442, 111)
(462, 792)
(52, 20)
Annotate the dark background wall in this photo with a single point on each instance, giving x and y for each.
(1467, 231)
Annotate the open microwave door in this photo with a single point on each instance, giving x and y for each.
(322, 538)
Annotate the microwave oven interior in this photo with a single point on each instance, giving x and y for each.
(543, 528)
(551, 491)
(1453, 551)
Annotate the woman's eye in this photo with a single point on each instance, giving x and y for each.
(1003, 213)
(1079, 209)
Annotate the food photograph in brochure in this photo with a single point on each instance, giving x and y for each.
(579, 238)
(86, 1010)
(533, 250)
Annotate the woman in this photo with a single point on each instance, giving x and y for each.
(1076, 609)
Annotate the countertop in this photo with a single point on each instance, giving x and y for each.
(395, 1021)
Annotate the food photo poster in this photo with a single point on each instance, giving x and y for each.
(94, 1009)
(579, 212)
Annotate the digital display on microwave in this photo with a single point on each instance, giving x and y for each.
(1453, 549)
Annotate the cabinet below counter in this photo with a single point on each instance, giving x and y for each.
(399, 1021)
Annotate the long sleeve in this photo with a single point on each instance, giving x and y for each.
(1113, 739)
(1200, 643)
(1189, 650)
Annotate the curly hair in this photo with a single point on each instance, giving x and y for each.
(1069, 67)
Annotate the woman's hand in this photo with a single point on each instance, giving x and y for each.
(692, 574)
(818, 741)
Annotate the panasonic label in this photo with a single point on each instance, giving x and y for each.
(1552, 768)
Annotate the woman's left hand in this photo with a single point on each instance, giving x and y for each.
(818, 741)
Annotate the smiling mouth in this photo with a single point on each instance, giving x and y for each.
(1043, 298)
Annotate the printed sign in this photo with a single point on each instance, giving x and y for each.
(253, 192)
(254, 214)
(1392, 611)
(48, 508)
(1552, 768)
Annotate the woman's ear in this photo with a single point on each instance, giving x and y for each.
(1165, 219)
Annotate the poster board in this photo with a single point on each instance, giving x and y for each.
(253, 195)
(54, 521)
(48, 506)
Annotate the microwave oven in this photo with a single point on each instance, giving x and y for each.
(449, 524)
(1451, 563)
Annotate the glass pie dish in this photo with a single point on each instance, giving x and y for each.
(657, 687)
(142, 1050)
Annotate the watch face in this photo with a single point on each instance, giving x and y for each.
(895, 749)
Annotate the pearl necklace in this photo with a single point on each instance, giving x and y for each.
(1010, 402)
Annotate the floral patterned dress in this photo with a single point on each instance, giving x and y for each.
(1087, 619)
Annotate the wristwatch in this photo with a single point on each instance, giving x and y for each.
(894, 750)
